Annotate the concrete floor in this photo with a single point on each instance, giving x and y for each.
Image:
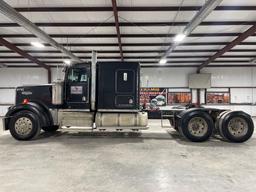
(157, 160)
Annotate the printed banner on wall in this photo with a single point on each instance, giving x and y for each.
(153, 97)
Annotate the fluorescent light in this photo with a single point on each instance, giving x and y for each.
(163, 61)
(67, 61)
(179, 37)
(37, 44)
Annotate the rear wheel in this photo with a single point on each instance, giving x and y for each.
(236, 126)
(197, 126)
(24, 125)
(218, 122)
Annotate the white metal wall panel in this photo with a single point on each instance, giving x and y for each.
(7, 96)
(242, 95)
(3, 110)
(230, 77)
(13, 77)
(202, 96)
(165, 77)
(57, 74)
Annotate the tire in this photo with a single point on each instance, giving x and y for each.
(51, 128)
(219, 122)
(24, 125)
(236, 126)
(174, 125)
(196, 126)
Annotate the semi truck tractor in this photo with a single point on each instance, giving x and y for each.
(103, 96)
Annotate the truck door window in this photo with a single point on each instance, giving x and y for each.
(83, 78)
(77, 75)
(125, 81)
(125, 76)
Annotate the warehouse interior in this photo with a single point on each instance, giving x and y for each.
(170, 39)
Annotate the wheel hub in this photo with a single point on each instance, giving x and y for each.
(197, 126)
(237, 126)
(23, 126)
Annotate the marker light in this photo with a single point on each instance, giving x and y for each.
(163, 61)
(179, 37)
(25, 101)
(37, 44)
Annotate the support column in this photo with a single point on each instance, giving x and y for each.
(49, 75)
(198, 95)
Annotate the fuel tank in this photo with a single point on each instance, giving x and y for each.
(139, 119)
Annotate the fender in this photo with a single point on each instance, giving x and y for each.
(41, 111)
(202, 109)
(180, 115)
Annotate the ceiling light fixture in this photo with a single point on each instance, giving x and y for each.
(163, 61)
(67, 61)
(179, 37)
(37, 44)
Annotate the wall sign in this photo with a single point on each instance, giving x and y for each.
(153, 97)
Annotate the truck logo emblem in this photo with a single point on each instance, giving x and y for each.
(26, 93)
(20, 89)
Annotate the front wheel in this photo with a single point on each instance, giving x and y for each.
(24, 125)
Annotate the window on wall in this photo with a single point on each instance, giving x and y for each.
(179, 96)
(218, 97)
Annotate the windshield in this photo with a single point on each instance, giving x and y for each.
(77, 75)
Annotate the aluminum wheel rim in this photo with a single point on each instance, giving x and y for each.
(23, 126)
(237, 127)
(197, 126)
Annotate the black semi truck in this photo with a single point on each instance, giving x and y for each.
(105, 95)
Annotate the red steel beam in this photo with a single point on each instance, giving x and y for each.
(249, 32)
(26, 55)
(114, 6)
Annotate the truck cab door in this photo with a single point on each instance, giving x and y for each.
(77, 88)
